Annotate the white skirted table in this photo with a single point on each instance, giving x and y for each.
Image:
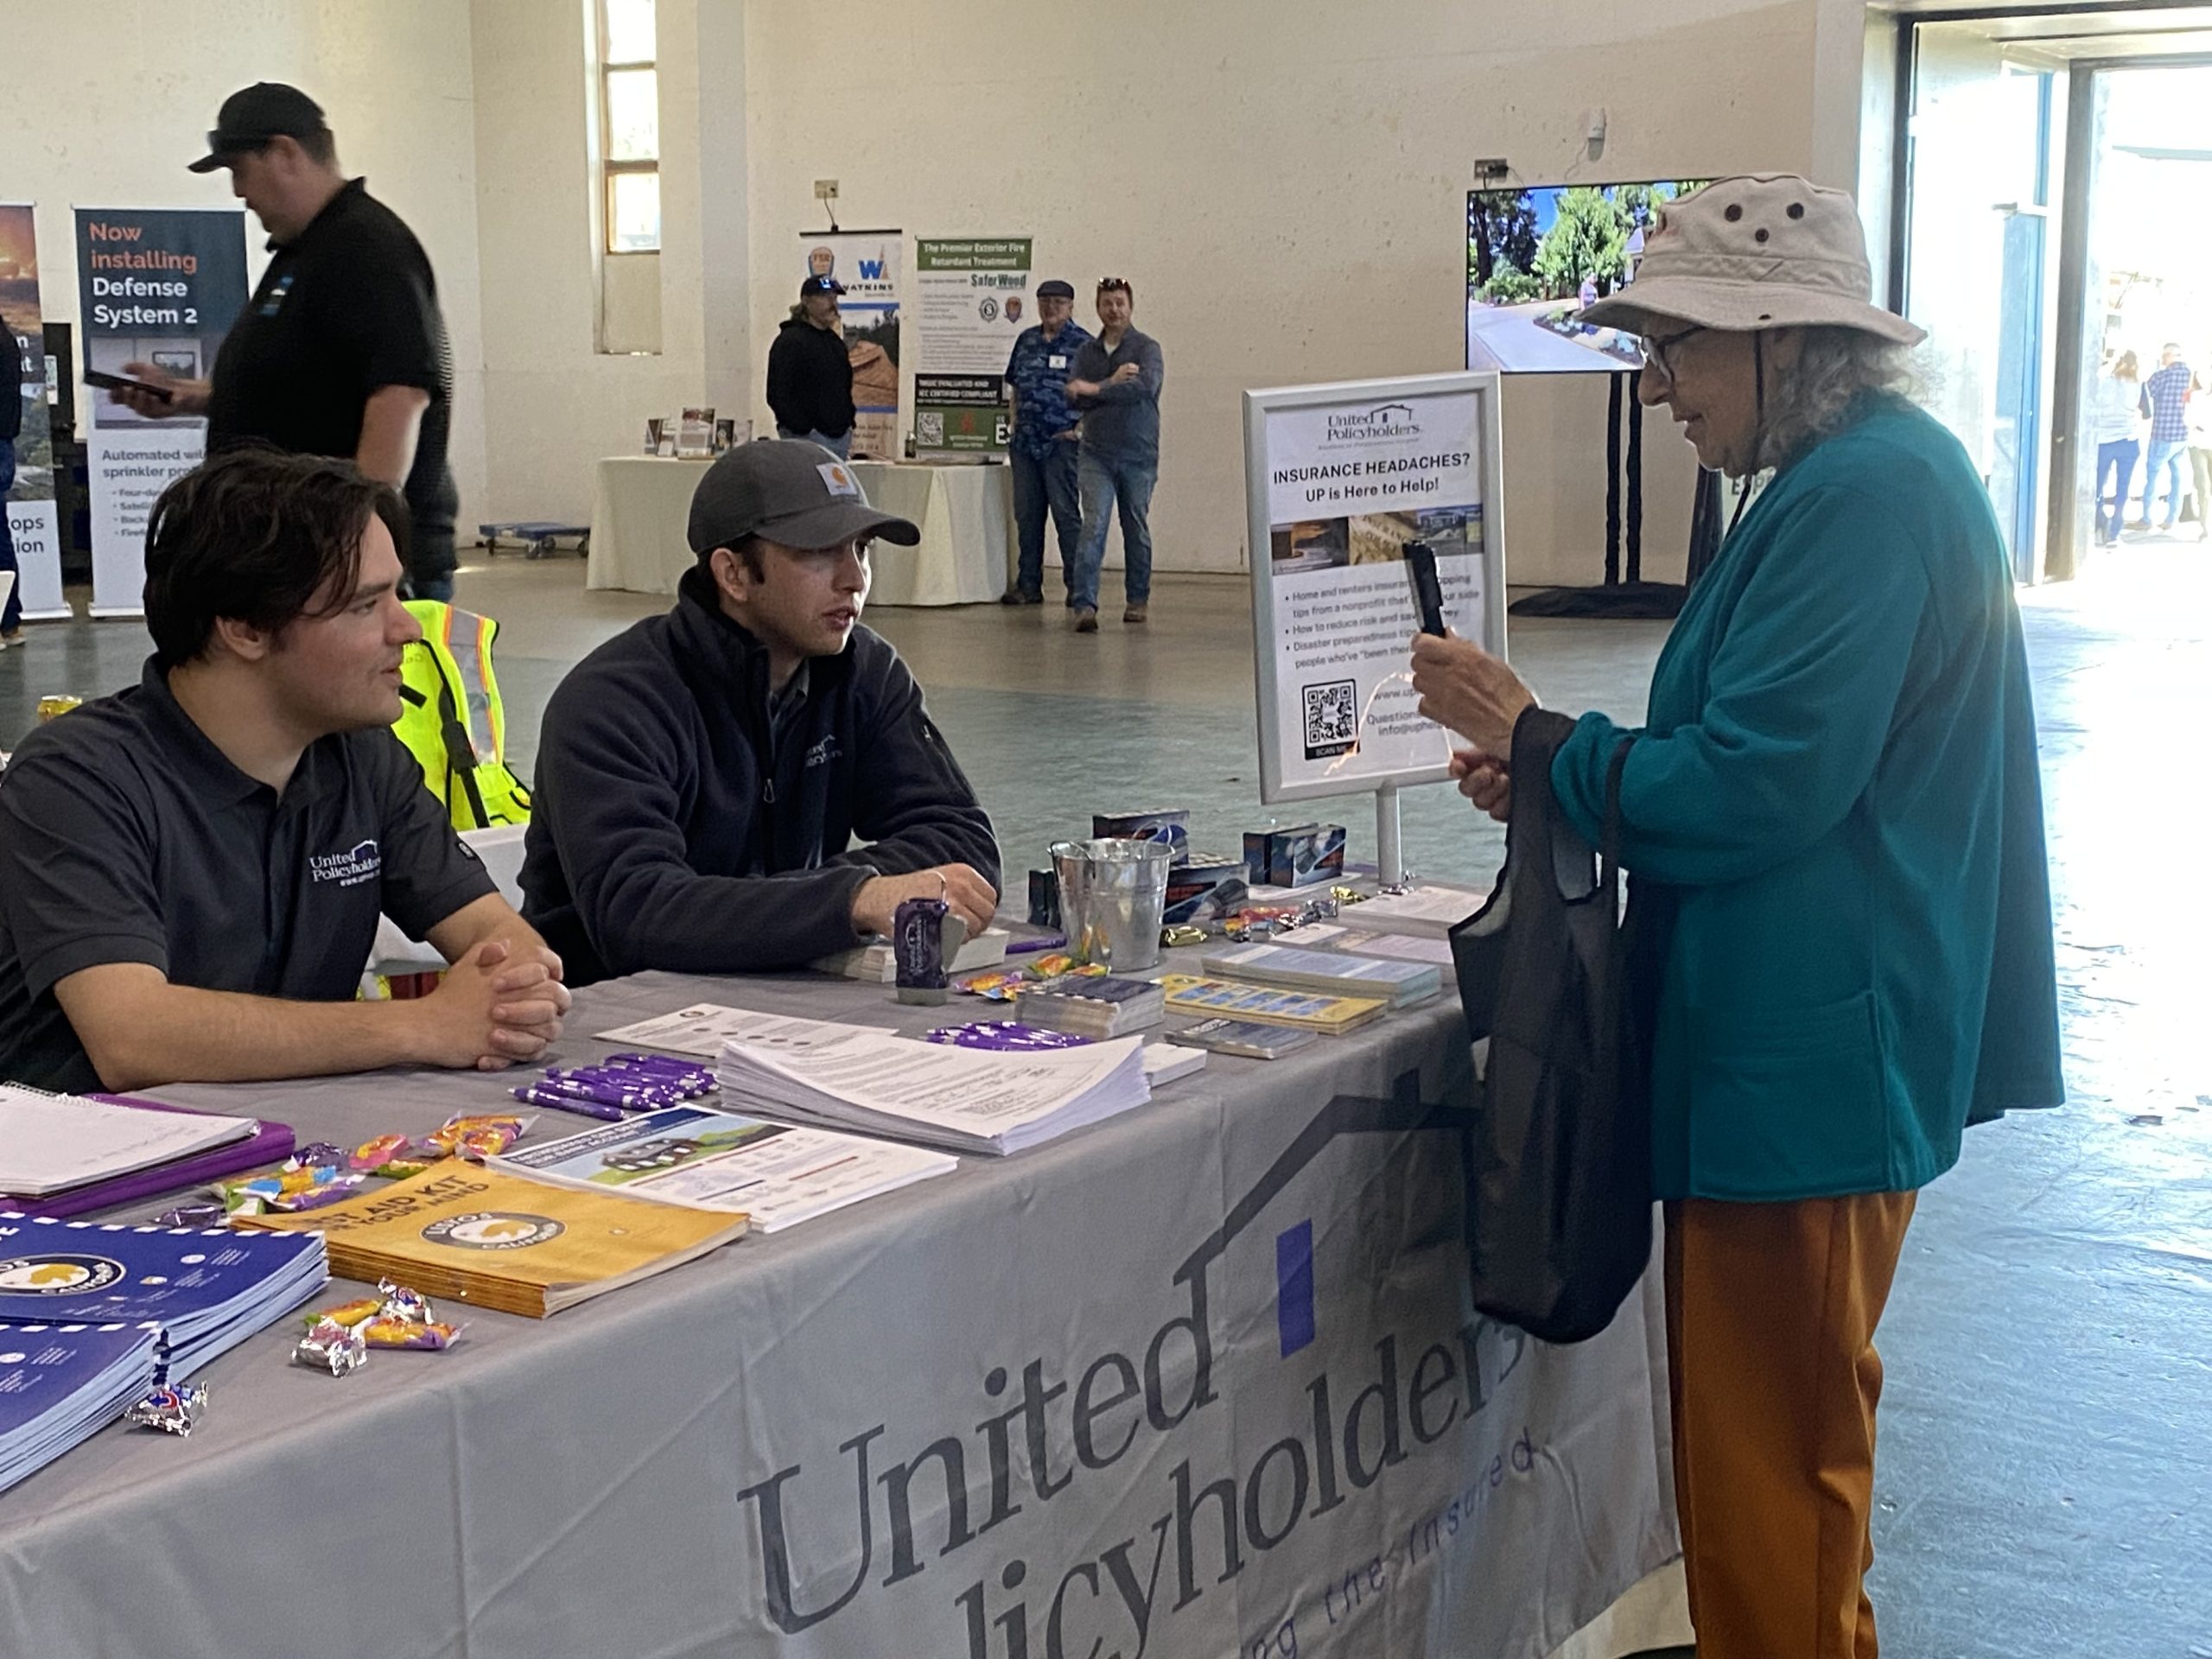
(640, 505)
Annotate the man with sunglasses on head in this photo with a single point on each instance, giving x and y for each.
(1116, 385)
(342, 349)
(702, 778)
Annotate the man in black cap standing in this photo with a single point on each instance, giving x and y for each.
(1046, 441)
(702, 777)
(810, 376)
(342, 350)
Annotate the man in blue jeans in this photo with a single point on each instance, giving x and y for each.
(2168, 393)
(1116, 386)
(1042, 448)
(11, 428)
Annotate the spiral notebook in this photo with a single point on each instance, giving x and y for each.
(83, 1152)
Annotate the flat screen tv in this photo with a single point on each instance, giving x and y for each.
(1537, 255)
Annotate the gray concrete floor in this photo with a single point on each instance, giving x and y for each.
(2045, 1486)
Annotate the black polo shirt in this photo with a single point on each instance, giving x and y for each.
(347, 306)
(127, 836)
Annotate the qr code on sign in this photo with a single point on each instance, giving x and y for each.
(929, 428)
(1332, 719)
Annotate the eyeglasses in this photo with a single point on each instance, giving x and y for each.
(1657, 351)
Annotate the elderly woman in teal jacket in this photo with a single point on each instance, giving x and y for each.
(1832, 819)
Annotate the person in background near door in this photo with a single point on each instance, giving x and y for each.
(1116, 385)
(1044, 443)
(2116, 416)
(1833, 821)
(810, 376)
(2199, 452)
(342, 350)
(11, 428)
(2168, 391)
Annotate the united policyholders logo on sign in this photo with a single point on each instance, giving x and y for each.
(493, 1230)
(58, 1274)
(1384, 423)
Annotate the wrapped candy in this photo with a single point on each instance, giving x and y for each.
(477, 1137)
(371, 1157)
(401, 1303)
(431, 1334)
(191, 1215)
(174, 1408)
(1180, 935)
(329, 1346)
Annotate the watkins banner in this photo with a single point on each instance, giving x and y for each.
(32, 520)
(866, 264)
(972, 294)
(158, 286)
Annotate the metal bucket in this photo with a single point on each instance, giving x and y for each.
(1112, 894)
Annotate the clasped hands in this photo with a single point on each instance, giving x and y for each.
(1468, 691)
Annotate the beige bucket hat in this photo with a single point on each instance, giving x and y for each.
(1765, 251)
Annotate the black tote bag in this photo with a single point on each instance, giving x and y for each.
(1558, 1162)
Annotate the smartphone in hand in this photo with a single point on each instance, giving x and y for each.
(1428, 592)
(107, 382)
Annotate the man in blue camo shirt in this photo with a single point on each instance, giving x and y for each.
(1045, 445)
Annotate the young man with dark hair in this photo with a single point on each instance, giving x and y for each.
(700, 777)
(342, 349)
(191, 871)
(811, 372)
(1116, 384)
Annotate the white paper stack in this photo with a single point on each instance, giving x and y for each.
(54, 1143)
(1431, 910)
(694, 1155)
(208, 1290)
(960, 1100)
(60, 1385)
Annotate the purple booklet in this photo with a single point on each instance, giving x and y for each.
(272, 1145)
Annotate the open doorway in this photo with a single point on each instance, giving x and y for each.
(2053, 176)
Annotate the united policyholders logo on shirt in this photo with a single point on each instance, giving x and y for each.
(493, 1230)
(349, 869)
(58, 1274)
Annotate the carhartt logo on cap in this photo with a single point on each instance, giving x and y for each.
(839, 481)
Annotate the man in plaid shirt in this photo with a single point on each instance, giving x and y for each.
(2167, 392)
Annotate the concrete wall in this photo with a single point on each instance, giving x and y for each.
(1284, 183)
(106, 104)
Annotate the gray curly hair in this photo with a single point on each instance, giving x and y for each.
(1837, 369)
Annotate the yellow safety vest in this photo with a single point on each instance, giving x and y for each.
(453, 720)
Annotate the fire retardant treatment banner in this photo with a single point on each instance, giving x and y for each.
(972, 295)
(31, 518)
(158, 286)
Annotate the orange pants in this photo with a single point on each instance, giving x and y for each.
(1771, 1316)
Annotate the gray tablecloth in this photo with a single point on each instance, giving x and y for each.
(1200, 1382)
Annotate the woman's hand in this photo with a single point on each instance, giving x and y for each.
(1486, 780)
(1466, 689)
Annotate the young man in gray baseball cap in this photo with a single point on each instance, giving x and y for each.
(702, 778)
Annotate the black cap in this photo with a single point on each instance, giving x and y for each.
(791, 491)
(249, 119)
(820, 285)
(1056, 290)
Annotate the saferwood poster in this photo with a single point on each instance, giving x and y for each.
(971, 296)
(867, 263)
(32, 520)
(159, 286)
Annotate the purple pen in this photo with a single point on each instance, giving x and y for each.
(1042, 942)
(559, 1102)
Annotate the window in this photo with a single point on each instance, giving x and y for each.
(629, 135)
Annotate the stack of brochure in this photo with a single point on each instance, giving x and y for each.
(961, 1100)
(496, 1240)
(1306, 1010)
(60, 1385)
(777, 1175)
(1431, 910)
(1090, 1006)
(1404, 982)
(208, 1289)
